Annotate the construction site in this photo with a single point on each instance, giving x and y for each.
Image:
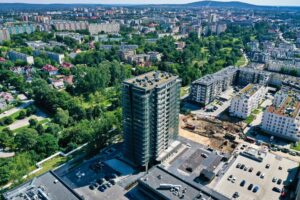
(220, 135)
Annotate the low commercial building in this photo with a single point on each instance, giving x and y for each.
(282, 119)
(207, 88)
(247, 100)
(14, 56)
(45, 186)
(161, 184)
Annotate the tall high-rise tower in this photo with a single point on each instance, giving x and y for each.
(151, 104)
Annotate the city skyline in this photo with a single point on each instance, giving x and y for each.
(256, 2)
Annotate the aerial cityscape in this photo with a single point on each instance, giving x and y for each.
(141, 100)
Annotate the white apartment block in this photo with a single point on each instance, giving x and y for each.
(282, 119)
(287, 65)
(70, 25)
(247, 100)
(106, 28)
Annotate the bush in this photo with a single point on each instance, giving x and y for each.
(8, 120)
(31, 110)
(22, 114)
(33, 123)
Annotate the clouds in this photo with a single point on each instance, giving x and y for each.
(258, 2)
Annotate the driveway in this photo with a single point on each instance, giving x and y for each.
(39, 116)
(16, 109)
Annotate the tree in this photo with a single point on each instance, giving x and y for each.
(40, 129)
(33, 123)
(53, 129)
(31, 110)
(4, 172)
(46, 145)
(89, 80)
(25, 140)
(61, 117)
(6, 139)
(22, 114)
(8, 120)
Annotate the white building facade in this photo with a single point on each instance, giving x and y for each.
(282, 119)
(247, 100)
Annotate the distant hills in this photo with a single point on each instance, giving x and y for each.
(233, 4)
(205, 3)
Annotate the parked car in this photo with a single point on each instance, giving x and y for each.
(279, 181)
(250, 186)
(233, 180)
(235, 195)
(92, 187)
(250, 169)
(267, 166)
(243, 182)
(274, 179)
(255, 189)
(276, 189)
(258, 173)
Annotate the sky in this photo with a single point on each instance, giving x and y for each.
(257, 2)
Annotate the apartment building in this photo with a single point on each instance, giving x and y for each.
(207, 88)
(19, 29)
(247, 100)
(286, 66)
(106, 28)
(150, 104)
(14, 56)
(59, 58)
(4, 35)
(282, 119)
(70, 25)
(247, 75)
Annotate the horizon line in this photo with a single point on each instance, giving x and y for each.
(141, 4)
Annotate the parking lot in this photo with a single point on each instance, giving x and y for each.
(264, 177)
(93, 179)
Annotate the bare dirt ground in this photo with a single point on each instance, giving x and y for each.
(209, 132)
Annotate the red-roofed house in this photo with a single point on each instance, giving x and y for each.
(2, 59)
(68, 80)
(67, 65)
(50, 69)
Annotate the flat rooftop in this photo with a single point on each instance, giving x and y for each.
(46, 186)
(161, 182)
(265, 184)
(289, 108)
(151, 80)
(211, 78)
(248, 91)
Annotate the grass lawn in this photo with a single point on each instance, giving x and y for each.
(184, 91)
(256, 111)
(50, 164)
(241, 61)
(297, 147)
(250, 119)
